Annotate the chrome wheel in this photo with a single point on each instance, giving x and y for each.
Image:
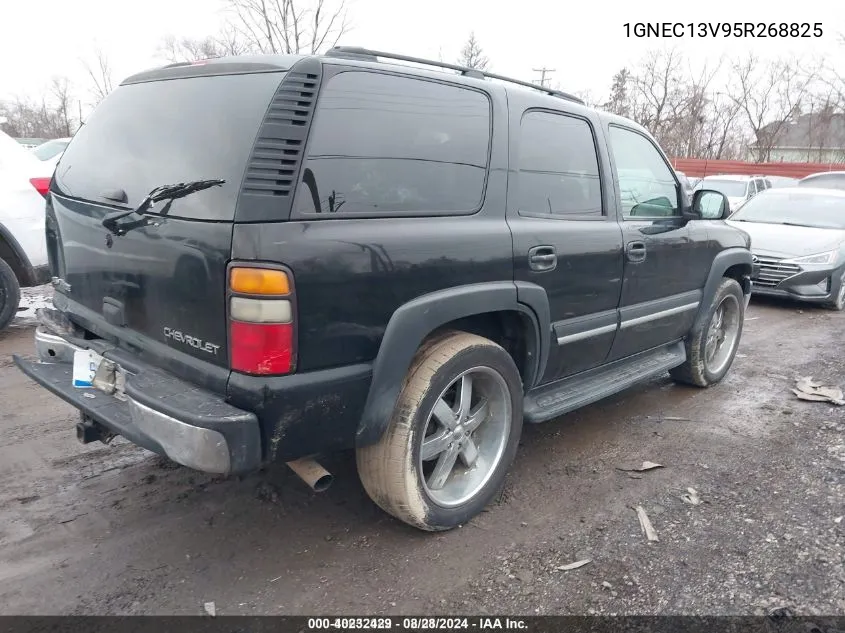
(465, 436)
(722, 335)
(840, 297)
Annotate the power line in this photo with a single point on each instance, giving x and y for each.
(543, 72)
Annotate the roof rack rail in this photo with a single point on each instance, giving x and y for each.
(356, 52)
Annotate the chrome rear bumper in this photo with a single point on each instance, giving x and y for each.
(153, 409)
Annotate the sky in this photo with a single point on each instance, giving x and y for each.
(585, 43)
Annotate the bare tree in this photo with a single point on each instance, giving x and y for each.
(657, 94)
(586, 96)
(186, 49)
(822, 137)
(769, 95)
(290, 26)
(100, 73)
(48, 118)
(721, 137)
(60, 92)
(618, 103)
(472, 55)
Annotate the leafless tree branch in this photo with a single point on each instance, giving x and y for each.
(472, 55)
(290, 26)
(100, 73)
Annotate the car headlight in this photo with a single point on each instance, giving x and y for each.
(819, 258)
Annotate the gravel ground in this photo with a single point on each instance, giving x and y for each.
(116, 530)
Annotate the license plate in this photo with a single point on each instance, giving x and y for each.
(85, 365)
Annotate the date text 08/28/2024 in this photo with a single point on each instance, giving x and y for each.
(724, 29)
(418, 623)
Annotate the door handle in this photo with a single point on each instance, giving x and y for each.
(542, 258)
(635, 251)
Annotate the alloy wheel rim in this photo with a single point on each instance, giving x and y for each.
(465, 436)
(722, 334)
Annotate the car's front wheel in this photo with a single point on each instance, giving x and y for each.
(453, 436)
(838, 302)
(711, 346)
(10, 294)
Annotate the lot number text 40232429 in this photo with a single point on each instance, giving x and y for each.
(723, 29)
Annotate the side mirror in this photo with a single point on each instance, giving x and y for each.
(710, 205)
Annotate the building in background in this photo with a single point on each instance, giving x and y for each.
(818, 137)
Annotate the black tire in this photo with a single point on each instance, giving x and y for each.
(392, 469)
(838, 303)
(695, 371)
(10, 295)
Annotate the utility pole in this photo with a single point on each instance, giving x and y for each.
(543, 72)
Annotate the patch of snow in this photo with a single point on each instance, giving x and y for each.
(31, 300)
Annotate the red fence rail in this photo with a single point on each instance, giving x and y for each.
(701, 167)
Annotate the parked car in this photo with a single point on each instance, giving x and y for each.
(403, 261)
(782, 181)
(23, 254)
(827, 179)
(685, 183)
(50, 152)
(738, 189)
(798, 238)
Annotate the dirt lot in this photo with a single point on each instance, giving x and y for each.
(115, 530)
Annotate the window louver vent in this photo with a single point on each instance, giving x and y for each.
(275, 160)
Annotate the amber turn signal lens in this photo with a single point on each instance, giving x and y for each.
(259, 281)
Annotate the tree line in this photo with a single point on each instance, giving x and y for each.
(735, 108)
(719, 111)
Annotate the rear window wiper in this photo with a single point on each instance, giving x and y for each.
(165, 192)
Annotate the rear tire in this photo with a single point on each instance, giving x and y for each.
(10, 294)
(712, 344)
(445, 454)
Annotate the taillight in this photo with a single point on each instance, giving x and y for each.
(261, 321)
(42, 185)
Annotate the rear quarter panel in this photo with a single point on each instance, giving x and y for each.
(351, 275)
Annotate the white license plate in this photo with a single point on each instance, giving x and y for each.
(85, 365)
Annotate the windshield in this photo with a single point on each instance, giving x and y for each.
(730, 188)
(835, 181)
(817, 210)
(48, 150)
(158, 133)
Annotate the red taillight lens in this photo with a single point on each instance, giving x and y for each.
(261, 321)
(261, 348)
(42, 185)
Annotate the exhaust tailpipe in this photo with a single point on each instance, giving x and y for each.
(317, 477)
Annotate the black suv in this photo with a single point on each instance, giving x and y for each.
(265, 258)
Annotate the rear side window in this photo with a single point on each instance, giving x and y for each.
(382, 144)
(558, 167)
(164, 132)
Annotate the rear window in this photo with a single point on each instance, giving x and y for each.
(383, 144)
(164, 132)
(48, 150)
(730, 188)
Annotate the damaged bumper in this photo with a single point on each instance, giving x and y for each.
(149, 407)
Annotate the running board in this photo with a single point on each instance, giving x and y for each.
(565, 395)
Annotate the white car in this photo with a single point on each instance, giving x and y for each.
(23, 246)
(49, 153)
(737, 189)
